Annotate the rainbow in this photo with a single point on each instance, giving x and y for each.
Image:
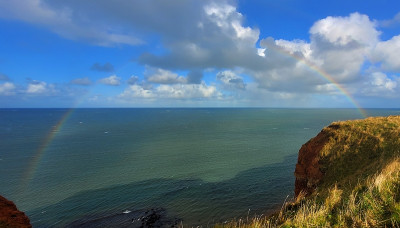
(326, 76)
(30, 171)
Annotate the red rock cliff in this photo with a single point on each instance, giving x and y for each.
(308, 173)
(10, 216)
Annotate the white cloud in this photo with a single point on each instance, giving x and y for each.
(137, 91)
(328, 88)
(245, 33)
(354, 29)
(261, 52)
(7, 89)
(231, 80)
(378, 84)
(218, 38)
(296, 47)
(36, 87)
(380, 80)
(341, 44)
(162, 76)
(185, 91)
(219, 13)
(113, 80)
(338, 48)
(175, 91)
(387, 52)
(229, 20)
(287, 66)
(200, 35)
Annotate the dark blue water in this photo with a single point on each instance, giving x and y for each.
(196, 166)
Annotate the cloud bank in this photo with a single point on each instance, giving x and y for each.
(211, 38)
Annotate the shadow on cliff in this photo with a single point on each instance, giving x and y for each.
(259, 190)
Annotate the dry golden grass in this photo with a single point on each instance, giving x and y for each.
(358, 149)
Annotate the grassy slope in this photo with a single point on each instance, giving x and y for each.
(361, 185)
(358, 149)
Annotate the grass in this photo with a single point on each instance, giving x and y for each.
(358, 149)
(361, 184)
(374, 203)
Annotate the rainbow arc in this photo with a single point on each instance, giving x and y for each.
(326, 76)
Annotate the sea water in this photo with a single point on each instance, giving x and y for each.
(106, 167)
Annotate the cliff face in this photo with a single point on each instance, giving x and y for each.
(307, 172)
(10, 216)
(345, 152)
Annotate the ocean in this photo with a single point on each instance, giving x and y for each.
(114, 167)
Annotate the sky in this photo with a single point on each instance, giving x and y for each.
(200, 53)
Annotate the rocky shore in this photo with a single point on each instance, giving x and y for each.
(11, 217)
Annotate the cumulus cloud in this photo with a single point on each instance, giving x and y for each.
(287, 67)
(113, 80)
(261, 52)
(162, 76)
(175, 91)
(342, 43)
(187, 91)
(36, 87)
(7, 89)
(387, 53)
(106, 67)
(43, 89)
(354, 30)
(338, 48)
(81, 81)
(379, 84)
(231, 80)
(137, 91)
(217, 38)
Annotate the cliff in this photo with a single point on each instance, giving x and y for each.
(345, 152)
(11, 217)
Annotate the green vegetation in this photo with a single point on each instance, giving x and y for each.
(361, 184)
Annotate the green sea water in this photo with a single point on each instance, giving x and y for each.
(75, 167)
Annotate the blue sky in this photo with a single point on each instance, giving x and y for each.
(210, 53)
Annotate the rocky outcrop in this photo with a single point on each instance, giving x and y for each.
(347, 151)
(308, 173)
(10, 216)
